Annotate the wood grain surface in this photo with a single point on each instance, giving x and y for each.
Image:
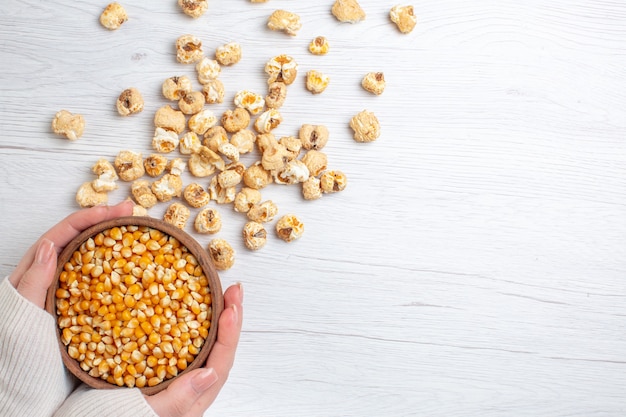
(476, 263)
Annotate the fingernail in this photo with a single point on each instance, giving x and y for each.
(240, 285)
(44, 251)
(203, 380)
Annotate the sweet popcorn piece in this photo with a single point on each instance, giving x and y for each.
(215, 137)
(129, 165)
(189, 143)
(257, 177)
(313, 136)
(229, 178)
(268, 121)
(228, 54)
(365, 126)
(155, 164)
(129, 102)
(221, 195)
(276, 95)
(315, 161)
(293, 172)
(167, 187)
(69, 125)
(113, 16)
(281, 68)
(86, 196)
(235, 120)
(292, 146)
(222, 254)
(245, 199)
(316, 82)
(192, 103)
(202, 121)
(175, 88)
(333, 181)
(289, 228)
(208, 70)
(193, 8)
(230, 151)
(142, 193)
(250, 101)
(164, 140)
(274, 158)
(374, 82)
(170, 119)
(254, 235)
(107, 176)
(263, 212)
(196, 196)
(311, 188)
(205, 162)
(404, 18)
(213, 91)
(284, 21)
(348, 11)
(243, 141)
(208, 220)
(177, 214)
(176, 166)
(188, 49)
(319, 46)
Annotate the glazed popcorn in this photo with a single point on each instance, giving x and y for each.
(167, 187)
(142, 193)
(129, 165)
(129, 102)
(245, 199)
(205, 162)
(293, 172)
(315, 161)
(189, 143)
(243, 140)
(188, 49)
(316, 82)
(213, 91)
(193, 8)
(208, 70)
(268, 121)
(222, 254)
(254, 235)
(164, 141)
(282, 68)
(319, 46)
(263, 212)
(333, 181)
(196, 196)
(170, 119)
(312, 189)
(175, 88)
(69, 125)
(235, 120)
(289, 228)
(250, 101)
(155, 164)
(287, 22)
(374, 82)
(202, 121)
(221, 195)
(313, 136)
(228, 54)
(107, 177)
(365, 126)
(403, 17)
(113, 16)
(348, 11)
(177, 214)
(192, 103)
(276, 95)
(208, 220)
(86, 196)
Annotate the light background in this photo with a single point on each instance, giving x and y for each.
(475, 264)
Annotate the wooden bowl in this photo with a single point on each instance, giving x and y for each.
(204, 260)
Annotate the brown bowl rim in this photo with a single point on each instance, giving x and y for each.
(217, 297)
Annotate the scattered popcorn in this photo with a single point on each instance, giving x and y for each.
(164, 141)
(129, 165)
(142, 193)
(276, 95)
(175, 88)
(176, 166)
(254, 235)
(243, 141)
(129, 102)
(250, 101)
(246, 198)
(289, 228)
(374, 82)
(403, 17)
(257, 177)
(293, 172)
(213, 91)
(193, 8)
(86, 196)
(208, 220)
(311, 188)
(222, 254)
(315, 161)
(177, 214)
(169, 119)
(282, 68)
(319, 46)
(188, 49)
(113, 16)
(263, 212)
(69, 125)
(365, 126)
(313, 136)
(204, 162)
(189, 143)
(107, 176)
(268, 121)
(282, 20)
(333, 181)
(208, 70)
(348, 11)
(192, 103)
(196, 196)
(202, 121)
(167, 187)
(316, 82)
(235, 120)
(228, 54)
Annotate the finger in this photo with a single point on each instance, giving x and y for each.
(69, 228)
(222, 354)
(36, 280)
(177, 399)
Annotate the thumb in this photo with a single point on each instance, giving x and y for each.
(38, 277)
(178, 398)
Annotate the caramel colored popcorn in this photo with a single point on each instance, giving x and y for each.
(250, 101)
(315, 161)
(374, 82)
(243, 141)
(192, 103)
(282, 68)
(276, 95)
(189, 143)
(86, 196)
(235, 120)
(245, 199)
(254, 235)
(333, 181)
(107, 177)
(365, 126)
(229, 178)
(113, 16)
(263, 212)
(177, 214)
(292, 146)
(208, 220)
(142, 193)
(188, 49)
(196, 196)
(164, 141)
(311, 188)
(155, 164)
(129, 102)
(319, 46)
(221, 195)
(257, 177)
(289, 228)
(170, 119)
(193, 8)
(222, 254)
(228, 54)
(230, 151)
(284, 21)
(175, 88)
(205, 162)
(316, 82)
(208, 70)
(268, 121)
(167, 187)
(176, 166)
(129, 165)
(69, 125)
(215, 137)
(403, 17)
(313, 136)
(293, 172)
(202, 121)
(274, 157)
(139, 211)
(213, 91)
(348, 11)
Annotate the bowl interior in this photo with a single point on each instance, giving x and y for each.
(203, 259)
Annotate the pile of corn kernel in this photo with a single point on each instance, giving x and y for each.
(210, 145)
(133, 306)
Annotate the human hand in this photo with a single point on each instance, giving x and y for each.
(191, 395)
(35, 272)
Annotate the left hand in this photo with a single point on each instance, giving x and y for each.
(35, 272)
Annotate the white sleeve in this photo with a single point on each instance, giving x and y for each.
(116, 402)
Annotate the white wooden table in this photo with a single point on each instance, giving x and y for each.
(476, 263)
